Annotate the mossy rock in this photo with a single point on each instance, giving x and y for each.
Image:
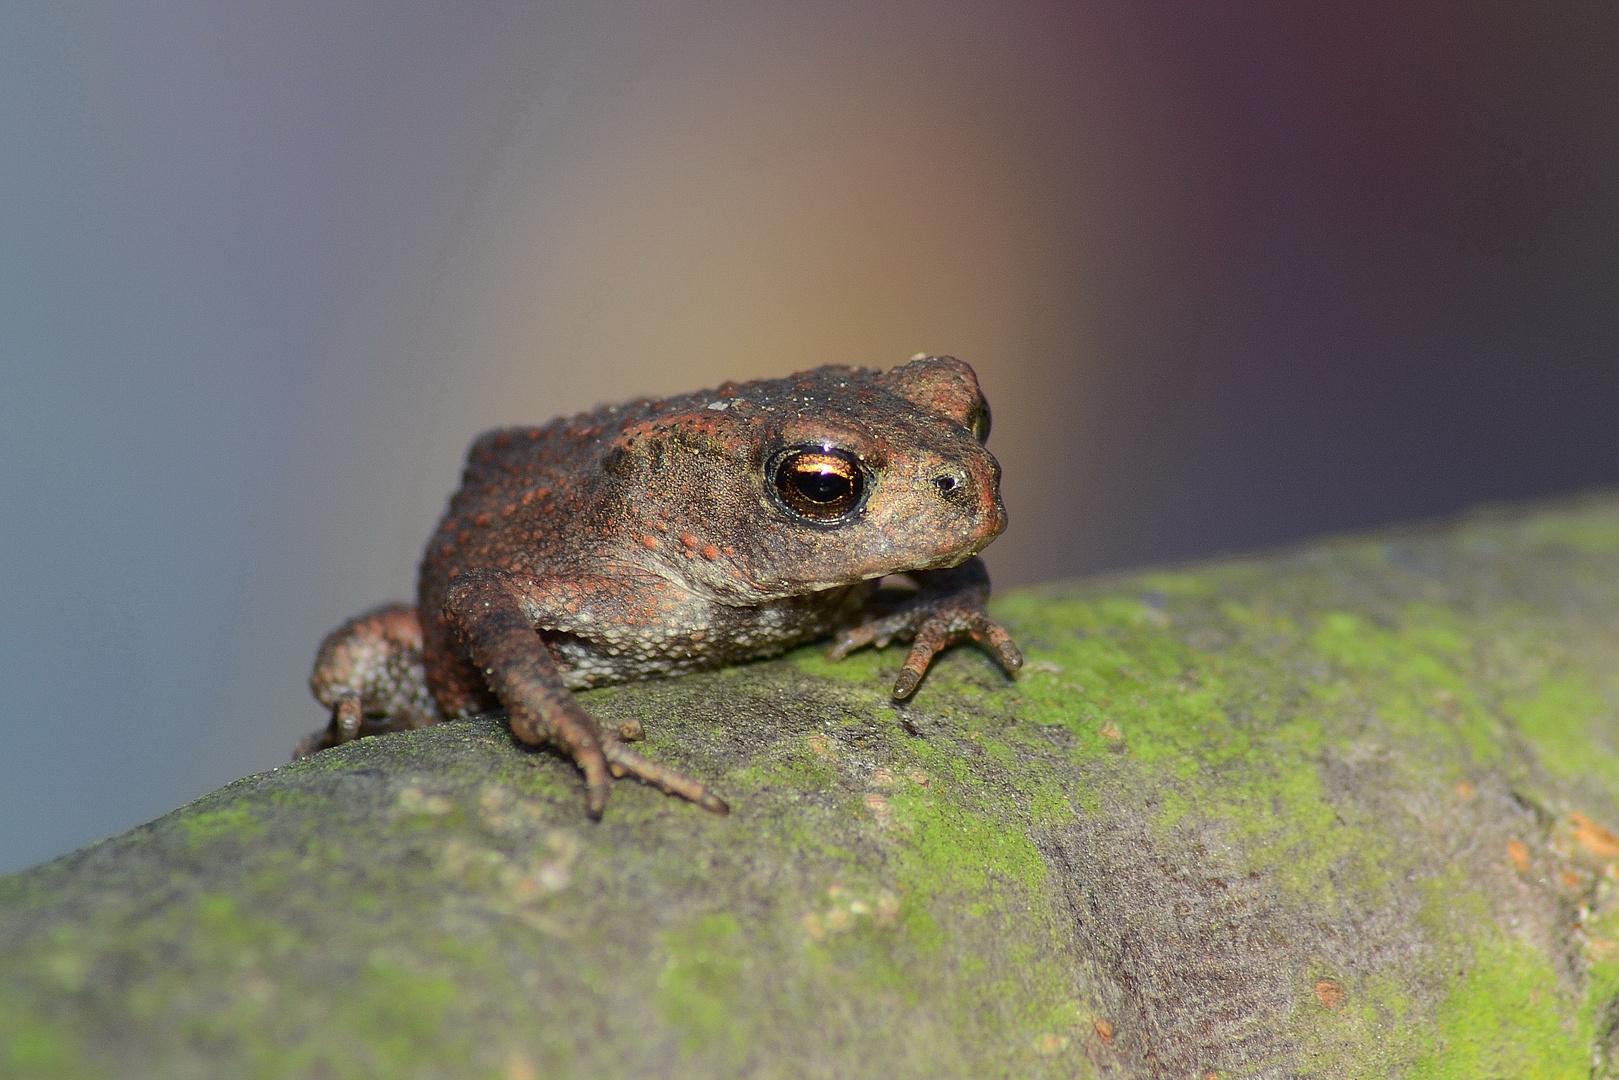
(1339, 811)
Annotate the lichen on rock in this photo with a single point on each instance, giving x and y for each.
(1340, 811)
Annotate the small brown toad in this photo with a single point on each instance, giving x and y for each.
(661, 537)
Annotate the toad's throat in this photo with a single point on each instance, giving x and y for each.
(722, 635)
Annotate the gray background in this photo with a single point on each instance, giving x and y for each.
(1232, 275)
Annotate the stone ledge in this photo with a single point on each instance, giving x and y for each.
(1340, 811)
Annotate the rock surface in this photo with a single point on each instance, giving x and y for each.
(1337, 811)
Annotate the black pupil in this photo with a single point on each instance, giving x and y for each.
(822, 484)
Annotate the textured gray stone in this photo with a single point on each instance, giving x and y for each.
(1336, 811)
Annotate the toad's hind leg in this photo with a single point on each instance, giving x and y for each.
(496, 614)
(369, 673)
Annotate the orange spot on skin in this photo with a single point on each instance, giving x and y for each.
(1465, 790)
(1104, 1029)
(1593, 837)
(482, 519)
(689, 539)
(1570, 879)
(1331, 994)
(711, 553)
(1518, 854)
(649, 542)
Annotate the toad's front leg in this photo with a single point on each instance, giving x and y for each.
(948, 607)
(497, 616)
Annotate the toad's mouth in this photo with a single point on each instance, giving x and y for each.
(767, 589)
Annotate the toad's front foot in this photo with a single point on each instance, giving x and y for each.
(949, 608)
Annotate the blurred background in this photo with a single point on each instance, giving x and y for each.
(1232, 275)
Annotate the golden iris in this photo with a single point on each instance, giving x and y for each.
(819, 483)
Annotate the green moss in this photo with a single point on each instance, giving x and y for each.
(1376, 1032)
(1108, 661)
(1203, 738)
(407, 1019)
(1591, 530)
(1415, 675)
(236, 823)
(35, 1048)
(1602, 976)
(699, 989)
(385, 1018)
(965, 851)
(1559, 720)
(864, 667)
(1503, 1013)
(800, 765)
(386, 1021)
(952, 887)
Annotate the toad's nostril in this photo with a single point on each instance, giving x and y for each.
(951, 485)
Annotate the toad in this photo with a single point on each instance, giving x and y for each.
(672, 535)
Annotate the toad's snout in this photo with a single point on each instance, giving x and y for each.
(973, 489)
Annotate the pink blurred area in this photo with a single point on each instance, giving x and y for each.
(1231, 275)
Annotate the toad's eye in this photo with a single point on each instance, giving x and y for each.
(819, 483)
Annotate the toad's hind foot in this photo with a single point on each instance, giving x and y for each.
(622, 761)
(369, 673)
(491, 610)
(599, 751)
